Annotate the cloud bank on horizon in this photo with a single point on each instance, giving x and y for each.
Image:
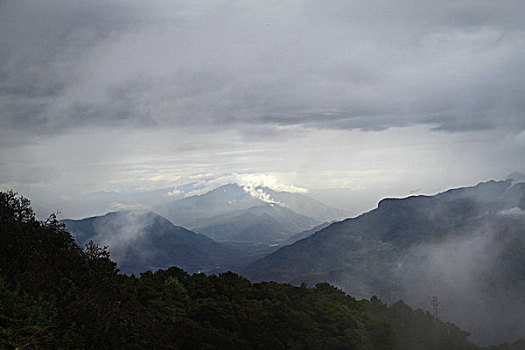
(100, 95)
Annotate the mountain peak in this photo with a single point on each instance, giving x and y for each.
(260, 193)
(145, 240)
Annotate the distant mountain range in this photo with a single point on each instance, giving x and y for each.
(465, 246)
(268, 223)
(233, 213)
(230, 227)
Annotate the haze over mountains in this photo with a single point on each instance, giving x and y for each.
(249, 214)
(465, 246)
(141, 241)
(207, 128)
(249, 222)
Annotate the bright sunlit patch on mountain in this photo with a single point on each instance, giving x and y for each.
(270, 181)
(258, 193)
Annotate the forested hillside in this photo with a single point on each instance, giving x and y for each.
(466, 245)
(54, 294)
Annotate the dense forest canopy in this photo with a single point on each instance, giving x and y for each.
(55, 294)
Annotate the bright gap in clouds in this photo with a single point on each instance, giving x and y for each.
(348, 169)
(105, 99)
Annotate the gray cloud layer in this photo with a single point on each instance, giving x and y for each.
(129, 96)
(455, 65)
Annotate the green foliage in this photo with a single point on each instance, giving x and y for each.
(24, 320)
(56, 295)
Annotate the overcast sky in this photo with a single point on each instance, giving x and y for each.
(372, 98)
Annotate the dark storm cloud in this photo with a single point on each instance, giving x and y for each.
(456, 66)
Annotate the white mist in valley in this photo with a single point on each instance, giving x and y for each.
(466, 275)
(121, 231)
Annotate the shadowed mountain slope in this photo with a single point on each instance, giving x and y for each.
(141, 241)
(466, 246)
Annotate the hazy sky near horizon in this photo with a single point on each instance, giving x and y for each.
(372, 98)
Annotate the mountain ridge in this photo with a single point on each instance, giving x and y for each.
(460, 239)
(231, 211)
(143, 240)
